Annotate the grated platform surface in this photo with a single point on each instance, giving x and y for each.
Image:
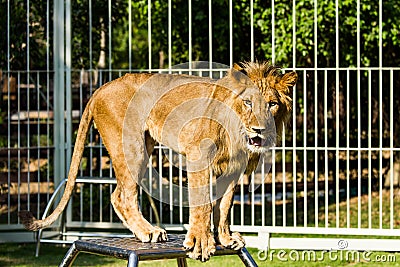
(133, 250)
(121, 247)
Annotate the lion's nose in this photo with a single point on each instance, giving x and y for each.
(257, 129)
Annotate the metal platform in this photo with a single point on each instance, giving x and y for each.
(133, 250)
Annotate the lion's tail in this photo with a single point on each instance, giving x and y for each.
(26, 217)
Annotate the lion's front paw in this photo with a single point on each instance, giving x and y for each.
(200, 245)
(154, 234)
(234, 241)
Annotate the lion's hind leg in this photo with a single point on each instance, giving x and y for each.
(124, 201)
(125, 197)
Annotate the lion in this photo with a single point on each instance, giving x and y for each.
(222, 128)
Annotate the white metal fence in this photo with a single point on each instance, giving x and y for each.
(337, 171)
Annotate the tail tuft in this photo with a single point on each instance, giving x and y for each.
(28, 220)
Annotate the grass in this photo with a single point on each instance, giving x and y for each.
(21, 255)
(51, 255)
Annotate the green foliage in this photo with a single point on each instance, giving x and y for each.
(42, 140)
(87, 27)
(314, 25)
(26, 30)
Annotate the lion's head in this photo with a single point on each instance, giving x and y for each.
(257, 129)
(258, 122)
(275, 86)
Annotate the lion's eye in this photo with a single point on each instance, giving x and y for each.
(273, 104)
(248, 103)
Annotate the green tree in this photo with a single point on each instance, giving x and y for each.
(23, 41)
(325, 40)
(90, 31)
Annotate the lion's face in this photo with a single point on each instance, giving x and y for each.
(275, 87)
(259, 130)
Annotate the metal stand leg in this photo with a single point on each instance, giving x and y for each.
(69, 257)
(182, 262)
(38, 237)
(246, 258)
(133, 260)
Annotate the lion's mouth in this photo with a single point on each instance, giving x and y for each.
(257, 141)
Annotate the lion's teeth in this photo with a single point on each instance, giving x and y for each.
(256, 141)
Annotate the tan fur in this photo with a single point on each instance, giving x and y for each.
(137, 110)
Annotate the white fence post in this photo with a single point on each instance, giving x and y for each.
(59, 92)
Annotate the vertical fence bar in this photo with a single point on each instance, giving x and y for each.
(369, 147)
(81, 202)
(326, 168)
(283, 177)
(337, 111)
(230, 33)
(294, 35)
(294, 113)
(149, 31)
(82, 75)
(359, 129)
(210, 36)
(180, 189)
(67, 119)
(263, 193)
(48, 96)
(110, 48)
(68, 85)
(358, 150)
(8, 115)
(28, 128)
(90, 52)
(252, 30)
(59, 92)
(241, 202)
(190, 32)
(91, 201)
(19, 137)
(92, 72)
(380, 45)
(391, 145)
(171, 185)
(348, 148)
(130, 36)
(100, 164)
(273, 30)
(38, 144)
(273, 188)
(150, 169)
(169, 35)
(160, 178)
(316, 174)
(252, 223)
(305, 151)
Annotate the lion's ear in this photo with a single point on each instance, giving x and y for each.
(289, 80)
(237, 67)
